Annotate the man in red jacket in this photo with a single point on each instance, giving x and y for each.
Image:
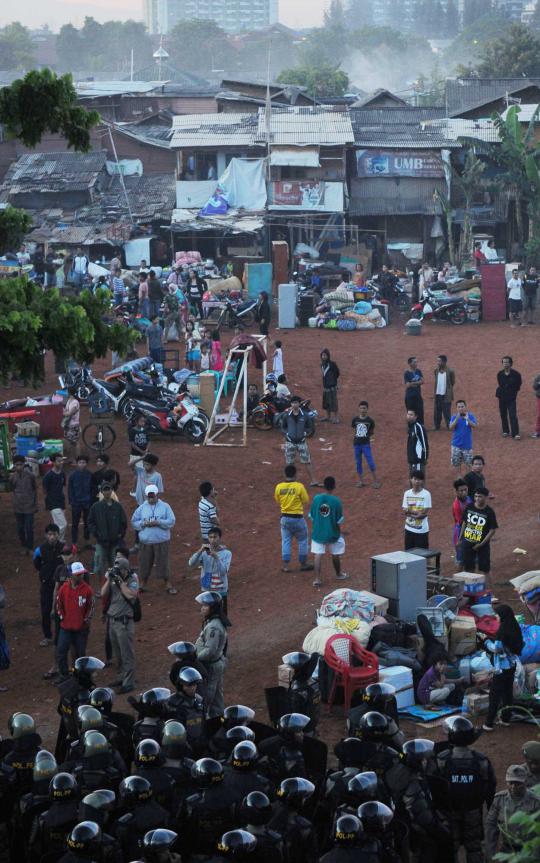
(74, 607)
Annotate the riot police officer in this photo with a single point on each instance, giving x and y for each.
(186, 706)
(176, 761)
(99, 807)
(243, 774)
(36, 801)
(102, 698)
(255, 814)
(152, 709)
(23, 748)
(380, 697)
(220, 744)
(377, 820)
(148, 762)
(99, 766)
(186, 657)
(73, 692)
(350, 843)
(304, 693)
(84, 843)
(208, 813)
(469, 784)
(50, 829)
(285, 752)
(236, 845)
(157, 845)
(143, 814)
(297, 831)
(211, 647)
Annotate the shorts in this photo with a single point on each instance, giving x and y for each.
(72, 433)
(530, 302)
(336, 548)
(515, 306)
(458, 455)
(301, 448)
(416, 540)
(480, 557)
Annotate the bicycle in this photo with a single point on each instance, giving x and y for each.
(99, 435)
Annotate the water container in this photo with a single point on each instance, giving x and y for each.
(413, 327)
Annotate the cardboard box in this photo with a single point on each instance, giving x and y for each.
(381, 602)
(284, 675)
(462, 636)
(471, 581)
(476, 703)
(401, 678)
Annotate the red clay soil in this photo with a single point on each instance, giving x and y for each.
(271, 611)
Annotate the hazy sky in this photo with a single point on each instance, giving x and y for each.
(34, 13)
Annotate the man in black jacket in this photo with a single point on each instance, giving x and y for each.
(417, 443)
(107, 522)
(296, 425)
(509, 384)
(47, 557)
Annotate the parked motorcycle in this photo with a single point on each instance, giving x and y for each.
(236, 315)
(269, 412)
(78, 377)
(184, 418)
(430, 307)
(392, 292)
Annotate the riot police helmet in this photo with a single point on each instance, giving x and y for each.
(157, 842)
(375, 817)
(363, 786)
(237, 714)
(63, 787)
(256, 808)
(416, 752)
(173, 735)
(102, 699)
(209, 597)
(348, 830)
(154, 702)
(89, 718)
(238, 733)
(148, 753)
(460, 730)
(237, 843)
(94, 743)
(45, 766)
(84, 839)
(295, 791)
(244, 756)
(296, 660)
(207, 771)
(21, 724)
(134, 789)
(103, 800)
(380, 695)
(373, 726)
(187, 676)
(182, 649)
(85, 667)
(293, 723)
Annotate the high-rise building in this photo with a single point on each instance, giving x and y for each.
(232, 15)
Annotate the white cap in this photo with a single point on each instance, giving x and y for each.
(78, 568)
(151, 489)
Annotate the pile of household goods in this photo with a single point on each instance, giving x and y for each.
(35, 428)
(347, 309)
(447, 627)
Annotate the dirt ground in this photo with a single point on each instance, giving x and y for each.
(271, 611)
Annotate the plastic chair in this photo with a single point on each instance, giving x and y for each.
(339, 653)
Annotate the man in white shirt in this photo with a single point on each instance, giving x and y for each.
(80, 268)
(416, 506)
(445, 379)
(514, 299)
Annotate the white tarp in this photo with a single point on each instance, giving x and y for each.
(193, 193)
(300, 157)
(137, 250)
(127, 167)
(242, 186)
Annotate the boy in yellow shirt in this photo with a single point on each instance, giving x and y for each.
(292, 497)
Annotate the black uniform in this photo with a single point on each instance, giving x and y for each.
(7, 800)
(429, 835)
(21, 757)
(369, 756)
(285, 759)
(51, 829)
(298, 834)
(205, 817)
(103, 770)
(395, 738)
(72, 695)
(270, 846)
(179, 769)
(163, 790)
(147, 728)
(368, 850)
(131, 827)
(190, 712)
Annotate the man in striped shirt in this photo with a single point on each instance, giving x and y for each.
(118, 287)
(208, 513)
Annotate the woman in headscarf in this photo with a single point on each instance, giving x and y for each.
(263, 313)
(330, 375)
(504, 651)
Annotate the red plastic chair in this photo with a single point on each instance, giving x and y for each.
(338, 655)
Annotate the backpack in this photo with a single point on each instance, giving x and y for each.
(137, 610)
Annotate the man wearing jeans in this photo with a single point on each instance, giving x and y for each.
(509, 385)
(445, 380)
(74, 607)
(292, 497)
(54, 483)
(215, 561)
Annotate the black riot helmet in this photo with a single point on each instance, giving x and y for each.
(348, 830)
(238, 733)
(373, 726)
(381, 697)
(63, 787)
(207, 771)
(302, 664)
(157, 842)
(460, 731)
(237, 843)
(293, 723)
(296, 791)
(256, 809)
(351, 752)
(94, 743)
(154, 702)
(21, 724)
(134, 789)
(363, 787)
(45, 766)
(102, 800)
(187, 676)
(85, 667)
(102, 699)
(84, 839)
(211, 598)
(182, 649)
(173, 739)
(237, 714)
(244, 756)
(148, 754)
(375, 817)
(89, 718)
(417, 752)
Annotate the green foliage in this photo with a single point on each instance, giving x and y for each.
(467, 48)
(200, 46)
(40, 103)
(529, 836)
(514, 54)
(33, 321)
(14, 224)
(104, 50)
(16, 49)
(321, 81)
(359, 14)
(474, 10)
(372, 39)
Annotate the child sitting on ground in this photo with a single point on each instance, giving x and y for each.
(434, 688)
(282, 390)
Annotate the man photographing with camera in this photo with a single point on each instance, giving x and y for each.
(120, 593)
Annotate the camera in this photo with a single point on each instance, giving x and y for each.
(115, 574)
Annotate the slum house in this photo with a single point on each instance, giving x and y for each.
(395, 170)
(78, 199)
(248, 96)
(479, 98)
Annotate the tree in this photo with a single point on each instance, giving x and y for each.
(323, 81)
(475, 9)
(468, 182)
(198, 45)
(16, 49)
(373, 39)
(334, 16)
(14, 224)
(43, 103)
(104, 49)
(33, 321)
(515, 54)
(359, 14)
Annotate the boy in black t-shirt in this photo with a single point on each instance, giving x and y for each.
(477, 529)
(138, 438)
(364, 427)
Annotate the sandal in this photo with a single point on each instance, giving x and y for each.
(285, 569)
(172, 590)
(50, 675)
(317, 584)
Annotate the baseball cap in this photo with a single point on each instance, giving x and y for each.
(151, 489)
(69, 548)
(78, 568)
(516, 773)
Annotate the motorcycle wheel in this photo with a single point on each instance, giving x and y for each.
(204, 419)
(195, 430)
(248, 319)
(403, 302)
(127, 410)
(83, 392)
(458, 316)
(260, 420)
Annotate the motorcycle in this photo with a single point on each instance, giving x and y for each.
(450, 309)
(79, 378)
(393, 292)
(236, 315)
(269, 412)
(184, 418)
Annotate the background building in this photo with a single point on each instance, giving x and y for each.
(161, 16)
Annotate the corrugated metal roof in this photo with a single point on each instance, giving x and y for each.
(156, 135)
(213, 130)
(305, 125)
(455, 127)
(408, 115)
(464, 94)
(525, 113)
(232, 223)
(115, 88)
(400, 127)
(394, 196)
(370, 97)
(54, 172)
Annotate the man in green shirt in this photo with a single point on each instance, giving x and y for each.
(326, 514)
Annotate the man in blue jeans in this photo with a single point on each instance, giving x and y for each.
(364, 427)
(292, 497)
(80, 497)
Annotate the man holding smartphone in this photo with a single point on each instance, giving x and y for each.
(461, 425)
(153, 521)
(215, 561)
